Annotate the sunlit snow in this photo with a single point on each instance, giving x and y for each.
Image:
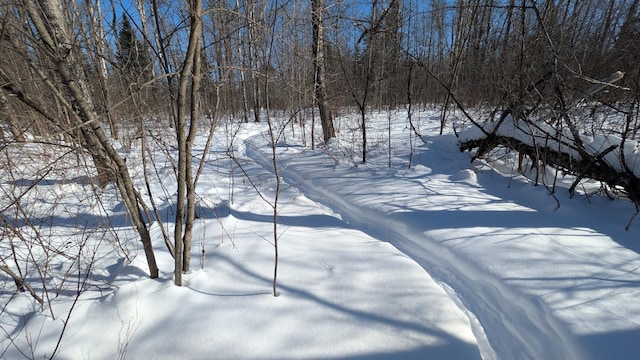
(437, 258)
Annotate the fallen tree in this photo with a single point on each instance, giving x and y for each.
(554, 140)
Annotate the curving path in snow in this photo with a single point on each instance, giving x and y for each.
(425, 217)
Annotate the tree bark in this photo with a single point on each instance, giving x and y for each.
(318, 7)
(191, 137)
(185, 203)
(52, 26)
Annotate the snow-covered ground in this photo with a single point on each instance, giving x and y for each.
(442, 259)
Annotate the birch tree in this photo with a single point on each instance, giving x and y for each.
(57, 61)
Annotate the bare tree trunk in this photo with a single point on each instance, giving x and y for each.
(145, 33)
(186, 188)
(6, 113)
(244, 83)
(53, 28)
(318, 7)
(252, 57)
(164, 60)
(98, 34)
(191, 181)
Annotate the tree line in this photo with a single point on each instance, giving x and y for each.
(259, 53)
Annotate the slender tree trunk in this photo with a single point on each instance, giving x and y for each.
(318, 8)
(98, 34)
(51, 24)
(251, 57)
(145, 34)
(191, 181)
(244, 83)
(186, 189)
(163, 60)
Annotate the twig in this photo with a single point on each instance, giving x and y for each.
(20, 283)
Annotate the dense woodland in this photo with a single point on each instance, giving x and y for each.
(87, 75)
(256, 55)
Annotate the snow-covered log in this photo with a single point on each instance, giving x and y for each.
(607, 158)
(604, 158)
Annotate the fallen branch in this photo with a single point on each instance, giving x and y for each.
(20, 283)
(604, 158)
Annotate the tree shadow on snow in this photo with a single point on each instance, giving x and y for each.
(608, 217)
(447, 347)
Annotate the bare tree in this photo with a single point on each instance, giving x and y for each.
(96, 37)
(318, 8)
(185, 203)
(59, 67)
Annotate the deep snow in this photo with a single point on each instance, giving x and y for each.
(443, 259)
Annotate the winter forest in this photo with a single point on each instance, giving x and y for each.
(345, 179)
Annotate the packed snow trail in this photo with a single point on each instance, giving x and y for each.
(517, 325)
